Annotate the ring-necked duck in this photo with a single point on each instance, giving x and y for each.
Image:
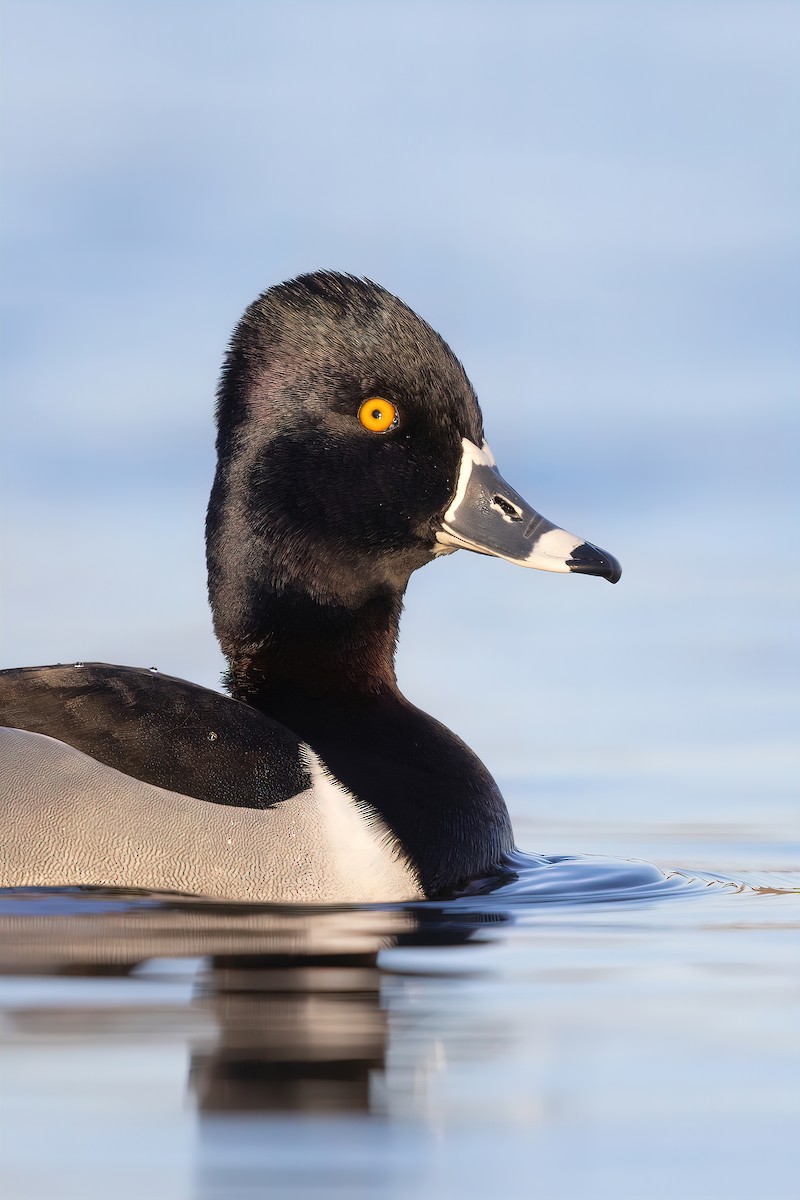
(350, 452)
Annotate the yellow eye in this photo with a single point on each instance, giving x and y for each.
(377, 414)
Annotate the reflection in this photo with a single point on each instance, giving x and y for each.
(286, 1012)
(307, 1032)
(286, 1009)
(292, 1036)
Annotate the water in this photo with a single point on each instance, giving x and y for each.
(594, 1025)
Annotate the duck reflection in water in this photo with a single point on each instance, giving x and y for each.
(290, 1011)
(292, 1036)
(308, 1033)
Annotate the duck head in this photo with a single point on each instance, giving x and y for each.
(351, 451)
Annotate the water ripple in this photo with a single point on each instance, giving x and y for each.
(576, 879)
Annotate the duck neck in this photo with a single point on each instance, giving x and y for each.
(308, 649)
(327, 673)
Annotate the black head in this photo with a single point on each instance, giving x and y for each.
(307, 497)
(350, 452)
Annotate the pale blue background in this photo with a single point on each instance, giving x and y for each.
(596, 204)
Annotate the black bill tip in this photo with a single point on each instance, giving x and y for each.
(587, 559)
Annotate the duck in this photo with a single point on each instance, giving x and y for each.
(350, 453)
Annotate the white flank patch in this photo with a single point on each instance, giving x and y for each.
(361, 848)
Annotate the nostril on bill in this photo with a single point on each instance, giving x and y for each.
(510, 511)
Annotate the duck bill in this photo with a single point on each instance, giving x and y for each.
(489, 517)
